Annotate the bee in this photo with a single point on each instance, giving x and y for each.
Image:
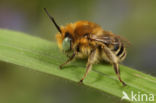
(84, 39)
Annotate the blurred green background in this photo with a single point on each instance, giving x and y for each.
(132, 19)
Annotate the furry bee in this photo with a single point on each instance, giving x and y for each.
(84, 39)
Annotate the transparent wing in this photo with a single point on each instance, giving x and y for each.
(106, 39)
(109, 39)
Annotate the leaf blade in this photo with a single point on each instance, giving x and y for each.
(44, 56)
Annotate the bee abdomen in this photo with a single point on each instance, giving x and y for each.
(119, 51)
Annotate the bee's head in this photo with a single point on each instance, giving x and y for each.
(67, 42)
(67, 38)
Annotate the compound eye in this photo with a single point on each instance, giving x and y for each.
(66, 44)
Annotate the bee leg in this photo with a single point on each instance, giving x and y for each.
(117, 71)
(88, 68)
(69, 60)
(90, 62)
(114, 62)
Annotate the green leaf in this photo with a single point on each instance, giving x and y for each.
(41, 55)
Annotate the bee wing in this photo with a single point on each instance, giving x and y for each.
(125, 42)
(105, 39)
(110, 39)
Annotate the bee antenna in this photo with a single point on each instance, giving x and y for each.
(52, 19)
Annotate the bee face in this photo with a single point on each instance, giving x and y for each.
(66, 44)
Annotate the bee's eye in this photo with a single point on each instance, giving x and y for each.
(66, 44)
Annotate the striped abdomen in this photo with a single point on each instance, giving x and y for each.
(118, 49)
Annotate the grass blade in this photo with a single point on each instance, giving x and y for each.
(41, 55)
